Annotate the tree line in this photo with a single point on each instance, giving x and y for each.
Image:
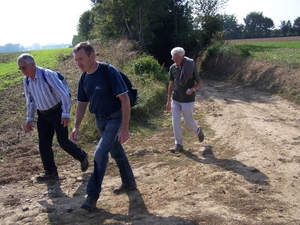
(159, 25)
(256, 25)
(19, 48)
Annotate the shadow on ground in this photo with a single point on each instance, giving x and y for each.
(251, 174)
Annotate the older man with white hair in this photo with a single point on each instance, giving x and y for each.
(184, 81)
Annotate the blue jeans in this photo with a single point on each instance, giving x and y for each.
(47, 125)
(109, 128)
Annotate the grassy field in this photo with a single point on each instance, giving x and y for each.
(277, 51)
(268, 64)
(9, 73)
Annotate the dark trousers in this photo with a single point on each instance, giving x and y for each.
(47, 125)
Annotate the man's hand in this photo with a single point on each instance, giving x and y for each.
(65, 121)
(168, 106)
(28, 127)
(123, 136)
(74, 134)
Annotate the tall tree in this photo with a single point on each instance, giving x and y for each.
(207, 18)
(85, 25)
(171, 26)
(231, 28)
(157, 25)
(256, 25)
(204, 8)
(296, 26)
(286, 27)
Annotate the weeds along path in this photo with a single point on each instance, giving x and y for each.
(245, 172)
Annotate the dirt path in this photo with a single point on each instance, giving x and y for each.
(245, 172)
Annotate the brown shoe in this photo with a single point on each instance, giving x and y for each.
(45, 177)
(177, 148)
(124, 188)
(200, 134)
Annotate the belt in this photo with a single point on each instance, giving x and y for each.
(109, 115)
(50, 111)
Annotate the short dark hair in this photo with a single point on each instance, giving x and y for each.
(86, 46)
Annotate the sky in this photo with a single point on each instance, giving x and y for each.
(44, 22)
(277, 10)
(27, 22)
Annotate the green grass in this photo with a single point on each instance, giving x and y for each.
(285, 52)
(279, 53)
(9, 73)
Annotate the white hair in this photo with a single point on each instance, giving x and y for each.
(26, 57)
(178, 50)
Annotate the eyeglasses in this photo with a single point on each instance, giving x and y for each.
(176, 58)
(23, 68)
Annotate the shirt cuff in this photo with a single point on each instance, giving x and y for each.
(65, 115)
(29, 119)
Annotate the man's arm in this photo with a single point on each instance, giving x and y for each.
(198, 85)
(79, 114)
(124, 131)
(31, 108)
(170, 91)
(198, 80)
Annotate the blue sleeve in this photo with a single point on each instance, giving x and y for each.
(116, 81)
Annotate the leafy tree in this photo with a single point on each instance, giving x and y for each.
(156, 25)
(173, 26)
(85, 25)
(256, 25)
(267, 25)
(204, 8)
(296, 26)
(286, 27)
(75, 40)
(207, 18)
(119, 18)
(231, 28)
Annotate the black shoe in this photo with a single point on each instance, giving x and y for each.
(200, 135)
(85, 163)
(45, 177)
(177, 148)
(89, 204)
(124, 188)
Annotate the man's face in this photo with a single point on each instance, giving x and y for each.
(177, 59)
(84, 62)
(27, 69)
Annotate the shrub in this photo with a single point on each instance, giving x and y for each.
(147, 67)
(214, 50)
(219, 49)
